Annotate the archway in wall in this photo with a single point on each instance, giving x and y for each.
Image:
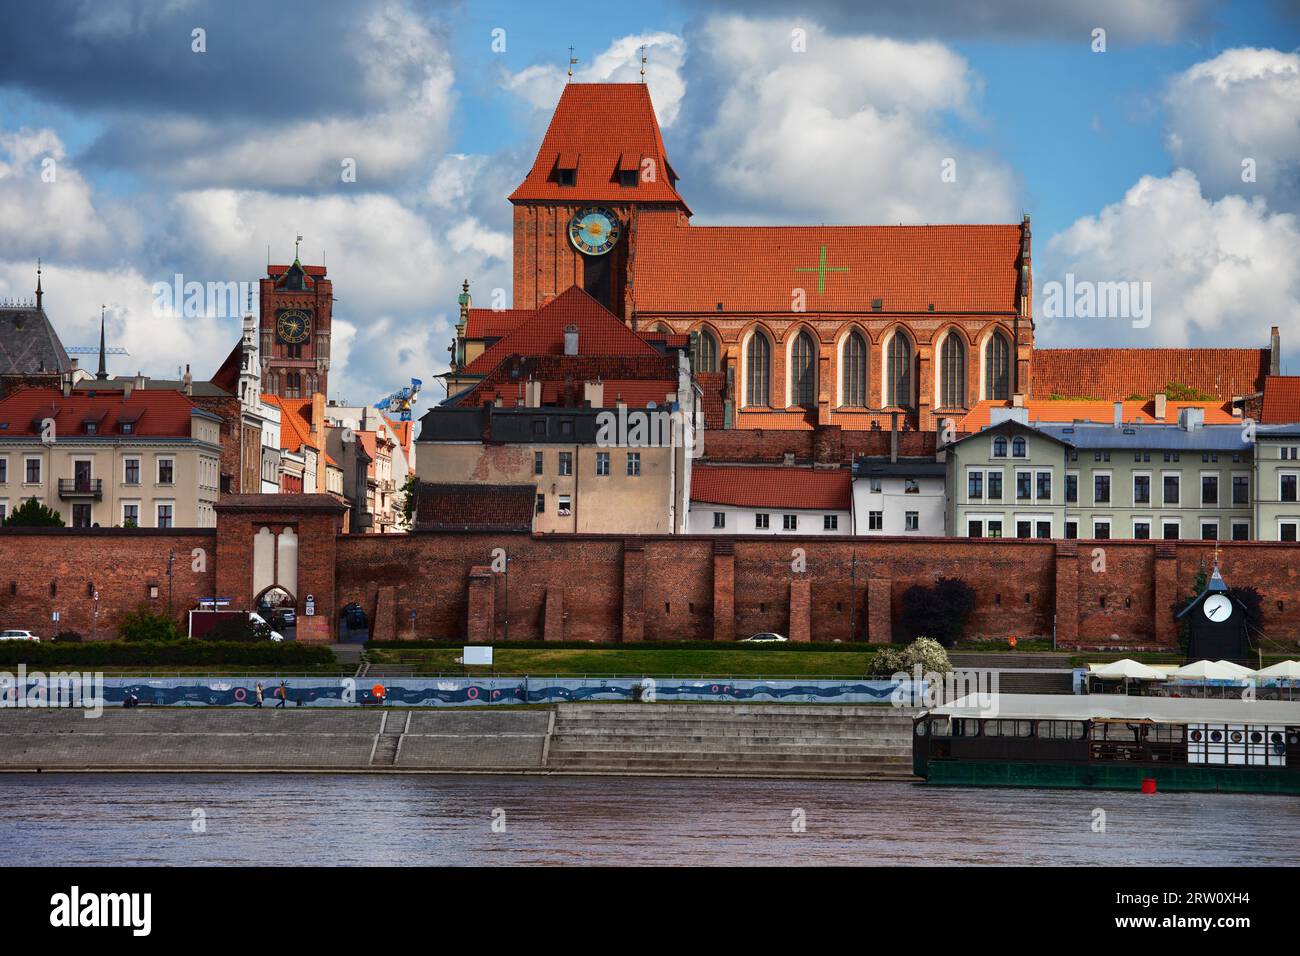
(279, 609)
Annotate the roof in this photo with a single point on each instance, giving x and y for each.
(279, 502)
(773, 487)
(600, 332)
(1011, 425)
(494, 323)
(1160, 710)
(28, 342)
(638, 381)
(957, 269)
(1226, 438)
(466, 507)
(1061, 411)
(295, 422)
(404, 432)
(227, 374)
(197, 388)
(1281, 400)
(152, 413)
(599, 129)
(902, 468)
(1118, 373)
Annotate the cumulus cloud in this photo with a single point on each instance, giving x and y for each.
(1241, 106)
(848, 130)
(1221, 271)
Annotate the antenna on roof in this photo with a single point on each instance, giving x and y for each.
(573, 61)
(643, 62)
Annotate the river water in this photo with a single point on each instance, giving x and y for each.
(290, 819)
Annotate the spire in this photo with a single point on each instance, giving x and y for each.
(39, 293)
(102, 374)
(573, 60)
(295, 251)
(643, 62)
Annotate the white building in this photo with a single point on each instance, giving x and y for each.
(904, 496)
(764, 499)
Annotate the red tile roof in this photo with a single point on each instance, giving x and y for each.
(639, 380)
(764, 487)
(227, 375)
(494, 323)
(1281, 400)
(599, 333)
(295, 422)
(464, 507)
(683, 268)
(1115, 374)
(275, 272)
(154, 413)
(403, 431)
(601, 128)
(1064, 411)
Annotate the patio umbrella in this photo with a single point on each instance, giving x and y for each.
(1209, 670)
(1233, 666)
(1286, 670)
(1126, 670)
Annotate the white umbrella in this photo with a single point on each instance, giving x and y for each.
(1287, 670)
(1208, 670)
(1233, 666)
(1126, 670)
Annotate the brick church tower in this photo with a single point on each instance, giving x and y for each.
(297, 302)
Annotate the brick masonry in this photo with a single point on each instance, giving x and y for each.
(440, 586)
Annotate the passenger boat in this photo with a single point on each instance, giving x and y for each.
(1110, 742)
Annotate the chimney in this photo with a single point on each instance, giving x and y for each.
(1191, 418)
(788, 459)
(1162, 406)
(140, 379)
(1274, 352)
(593, 394)
(187, 383)
(533, 393)
(67, 384)
(570, 340)
(1119, 414)
(127, 386)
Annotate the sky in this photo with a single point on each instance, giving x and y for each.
(1151, 141)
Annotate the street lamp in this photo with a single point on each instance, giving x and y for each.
(171, 559)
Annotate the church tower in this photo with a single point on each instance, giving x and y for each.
(601, 168)
(296, 308)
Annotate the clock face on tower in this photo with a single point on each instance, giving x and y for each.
(594, 230)
(293, 326)
(1217, 607)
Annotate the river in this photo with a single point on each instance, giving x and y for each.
(291, 819)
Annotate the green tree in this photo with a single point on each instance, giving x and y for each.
(143, 624)
(32, 514)
(410, 487)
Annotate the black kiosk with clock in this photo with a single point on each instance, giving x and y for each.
(1217, 621)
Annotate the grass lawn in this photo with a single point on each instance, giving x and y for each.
(760, 662)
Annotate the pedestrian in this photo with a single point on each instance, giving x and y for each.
(283, 693)
(259, 694)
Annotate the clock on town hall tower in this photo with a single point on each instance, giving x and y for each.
(297, 302)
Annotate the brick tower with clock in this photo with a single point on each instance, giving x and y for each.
(297, 302)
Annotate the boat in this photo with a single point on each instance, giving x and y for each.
(1110, 742)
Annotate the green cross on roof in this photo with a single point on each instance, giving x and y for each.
(821, 271)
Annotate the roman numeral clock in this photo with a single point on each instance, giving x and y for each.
(293, 326)
(594, 231)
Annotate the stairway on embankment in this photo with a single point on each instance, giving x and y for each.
(749, 740)
(1020, 672)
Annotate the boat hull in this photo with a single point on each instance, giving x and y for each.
(1095, 776)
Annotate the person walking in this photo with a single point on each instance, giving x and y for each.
(258, 692)
(283, 693)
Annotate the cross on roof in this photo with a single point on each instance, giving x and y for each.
(821, 270)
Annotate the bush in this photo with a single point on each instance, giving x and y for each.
(923, 651)
(143, 624)
(239, 630)
(32, 514)
(68, 637)
(940, 610)
(152, 653)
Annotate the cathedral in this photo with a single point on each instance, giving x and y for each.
(798, 327)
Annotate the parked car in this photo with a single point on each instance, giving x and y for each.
(283, 617)
(767, 637)
(19, 636)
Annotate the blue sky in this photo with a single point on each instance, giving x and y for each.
(1128, 160)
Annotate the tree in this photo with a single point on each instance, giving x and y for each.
(938, 611)
(143, 624)
(410, 488)
(32, 514)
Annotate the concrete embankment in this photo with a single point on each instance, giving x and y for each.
(856, 742)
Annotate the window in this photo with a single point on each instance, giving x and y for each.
(898, 370)
(1241, 531)
(541, 505)
(165, 515)
(995, 485)
(1101, 530)
(1171, 489)
(760, 521)
(719, 519)
(1023, 529)
(999, 447)
(602, 463)
(33, 472)
(1042, 529)
(975, 484)
(539, 463)
(1043, 489)
(790, 522)
(567, 177)
(952, 372)
(627, 178)
(974, 529)
(875, 520)
(911, 486)
(81, 515)
(911, 520)
(1101, 488)
(4, 471)
(566, 463)
(1071, 530)
(131, 471)
(1286, 531)
(1286, 484)
(704, 351)
(1169, 530)
(166, 471)
(997, 367)
(1024, 481)
(1141, 489)
(565, 506)
(292, 383)
(1017, 447)
(995, 529)
(566, 427)
(1209, 531)
(130, 515)
(854, 391)
(803, 371)
(758, 370)
(1142, 529)
(634, 463)
(1240, 489)
(830, 522)
(1072, 487)
(875, 486)
(1209, 489)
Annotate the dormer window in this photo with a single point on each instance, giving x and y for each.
(92, 428)
(567, 177)
(566, 169)
(627, 178)
(128, 428)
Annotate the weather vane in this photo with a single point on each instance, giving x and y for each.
(643, 62)
(573, 60)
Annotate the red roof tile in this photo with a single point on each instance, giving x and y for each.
(494, 323)
(600, 127)
(464, 507)
(295, 422)
(782, 487)
(639, 380)
(599, 333)
(1115, 374)
(683, 268)
(156, 413)
(1064, 411)
(1281, 400)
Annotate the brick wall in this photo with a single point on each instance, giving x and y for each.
(232, 435)
(826, 443)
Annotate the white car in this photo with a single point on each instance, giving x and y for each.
(767, 637)
(19, 636)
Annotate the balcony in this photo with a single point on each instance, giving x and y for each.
(81, 488)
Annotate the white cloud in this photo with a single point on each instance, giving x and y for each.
(1243, 104)
(1221, 271)
(619, 63)
(847, 131)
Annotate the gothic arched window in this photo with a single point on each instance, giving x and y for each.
(803, 370)
(997, 367)
(898, 370)
(952, 372)
(758, 370)
(854, 390)
(704, 355)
